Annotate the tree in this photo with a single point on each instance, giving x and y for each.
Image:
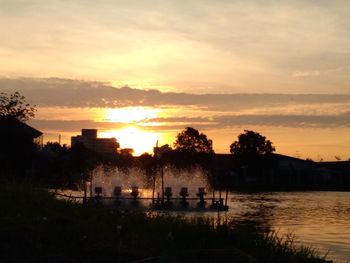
(191, 149)
(82, 162)
(148, 164)
(190, 140)
(251, 143)
(16, 105)
(337, 157)
(252, 155)
(55, 147)
(125, 160)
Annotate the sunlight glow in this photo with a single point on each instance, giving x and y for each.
(139, 140)
(131, 114)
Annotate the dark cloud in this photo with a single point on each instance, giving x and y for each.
(77, 93)
(73, 126)
(216, 110)
(205, 123)
(319, 121)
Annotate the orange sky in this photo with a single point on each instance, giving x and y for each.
(141, 127)
(186, 63)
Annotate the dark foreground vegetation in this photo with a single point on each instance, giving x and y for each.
(36, 227)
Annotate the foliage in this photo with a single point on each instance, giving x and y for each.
(191, 149)
(190, 140)
(252, 156)
(126, 151)
(183, 160)
(54, 165)
(35, 227)
(148, 164)
(82, 162)
(125, 159)
(55, 147)
(16, 105)
(251, 143)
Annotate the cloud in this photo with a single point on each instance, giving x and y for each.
(203, 123)
(184, 109)
(252, 46)
(227, 121)
(341, 71)
(73, 126)
(78, 93)
(302, 74)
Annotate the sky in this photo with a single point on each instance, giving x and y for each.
(150, 68)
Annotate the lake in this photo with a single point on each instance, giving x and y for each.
(318, 219)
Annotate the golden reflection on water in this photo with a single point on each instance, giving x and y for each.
(317, 219)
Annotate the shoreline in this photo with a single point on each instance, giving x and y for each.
(37, 226)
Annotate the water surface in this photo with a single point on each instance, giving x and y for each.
(319, 219)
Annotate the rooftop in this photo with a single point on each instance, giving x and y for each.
(11, 125)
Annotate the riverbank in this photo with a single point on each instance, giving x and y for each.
(35, 227)
(289, 188)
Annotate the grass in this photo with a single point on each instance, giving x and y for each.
(35, 227)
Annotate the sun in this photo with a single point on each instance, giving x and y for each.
(139, 140)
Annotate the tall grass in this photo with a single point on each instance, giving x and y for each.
(35, 227)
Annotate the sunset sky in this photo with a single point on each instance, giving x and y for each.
(142, 71)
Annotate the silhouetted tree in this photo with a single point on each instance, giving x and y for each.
(126, 151)
(190, 140)
(191, 148)
(251, 143)
(125, 159)
(82, 162)
(337, 157)
(55, 147)
(148, 164)
(15, 105)
(252, 155)
(53, 165)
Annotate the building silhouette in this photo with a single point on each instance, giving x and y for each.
(19, 144)
(90, 140)
(282, 171)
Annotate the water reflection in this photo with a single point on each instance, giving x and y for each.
(319, 219)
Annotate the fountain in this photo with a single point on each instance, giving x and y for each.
(160, 195)
(98, 192)
(117, 192)
(134, 193)
(201, 193)
(184, 194)
(168, 194)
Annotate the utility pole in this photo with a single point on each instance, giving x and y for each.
(155, 171)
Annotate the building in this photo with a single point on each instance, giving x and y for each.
(19, 144)
(89, 139)
(343, 170)
(11, 127)
(281, 170)
(17, 136)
